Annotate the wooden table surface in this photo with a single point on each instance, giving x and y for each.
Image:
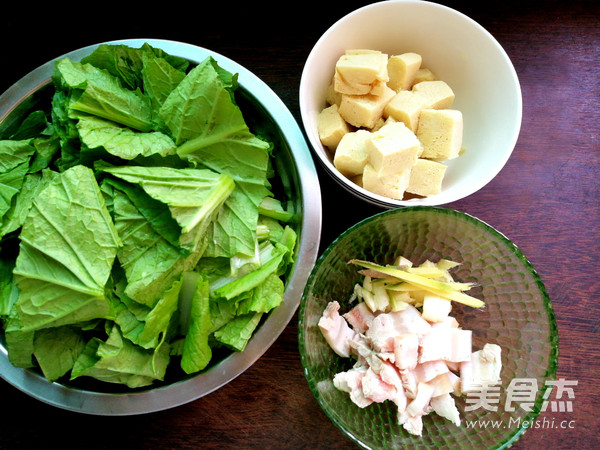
(546, 200)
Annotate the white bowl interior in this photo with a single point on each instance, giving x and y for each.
(460, 52)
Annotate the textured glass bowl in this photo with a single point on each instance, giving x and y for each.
(518, 316)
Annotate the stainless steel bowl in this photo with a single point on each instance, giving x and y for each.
(299, 179)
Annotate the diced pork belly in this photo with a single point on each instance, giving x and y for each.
(390, 375)
(420, 404)
(427, 371)
(466, 377)
(455, 380)
(412, 417)
(351, 382)
(360, 349)
(443, 384)
(449, 344)
(404, 358)
(449, 322)
(381, 333)
(409, 320)
(406, 350)
(445, 406)
(385, 327)
(412, 424)
(359, 317)
(409, 382)
(483, 368)
(454, 366)
(377, 390)
(336, 330)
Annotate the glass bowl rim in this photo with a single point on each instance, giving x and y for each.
(547, 303)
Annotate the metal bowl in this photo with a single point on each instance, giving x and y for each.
(300, 184)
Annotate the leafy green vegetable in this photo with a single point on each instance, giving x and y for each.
(123, 142)
(68, 245)
(192, 195)
(237, 332)
(57, 349)
(118, 360)
(211, 131)
(94, 91)
(137, 220)
(196, 349)
(128, 64)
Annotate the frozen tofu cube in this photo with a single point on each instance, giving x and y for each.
(357, 180)
(440, 132)
(406, 106)
(393, 149)
(351, 153)
(438, 93)
(333, 97)
(426, 177)
(402, 70)
(357, 73)
(391, 186)
(424, 74)
(380, 122)
(331, 127)
(378, 88)
(361, 51)
(364, 110)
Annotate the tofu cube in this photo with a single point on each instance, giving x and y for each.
(426, 177)
(393, 149)
(357, 180)
(402, 70)
(331, 127)
(378, 88)
(440, 132)
(380, 122)
(391, 186)
(438, 93)
(424, 74)
(364, 110)
(361, 51)
(351, 153)
(406, 107)
(356, 73)
(333, 97)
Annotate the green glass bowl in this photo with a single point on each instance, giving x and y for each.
(518, 316)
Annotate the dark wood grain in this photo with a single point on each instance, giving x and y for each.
(546, 200)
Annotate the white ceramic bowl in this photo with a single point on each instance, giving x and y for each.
(461, 53)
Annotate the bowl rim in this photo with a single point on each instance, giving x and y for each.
(192, 388)
(502, 238)
(376, 199)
